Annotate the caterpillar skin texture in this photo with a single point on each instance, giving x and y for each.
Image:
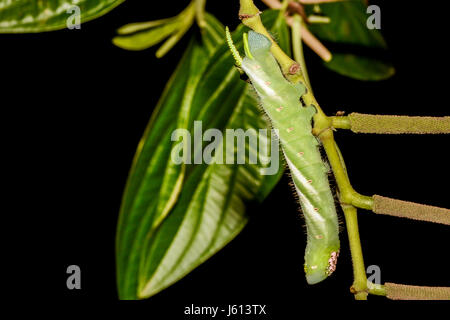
(280, 100)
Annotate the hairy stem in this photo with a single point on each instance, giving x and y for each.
(397, 291)
(386, 124)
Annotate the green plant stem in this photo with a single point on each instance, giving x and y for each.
(376, 289)
(347, 194)
(359, 286)
(297, 46)
(284, 5)
(318, 19)
(341, 123)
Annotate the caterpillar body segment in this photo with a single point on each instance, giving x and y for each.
(280, 100)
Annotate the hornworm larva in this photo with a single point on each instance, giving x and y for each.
(280, 100)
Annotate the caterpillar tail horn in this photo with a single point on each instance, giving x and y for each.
(234, 51)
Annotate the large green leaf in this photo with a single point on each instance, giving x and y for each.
(347, 25)
(360, 67)
(18, 16)
(142, 193)
(348, 29)
(205, 208)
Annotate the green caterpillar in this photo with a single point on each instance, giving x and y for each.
(281, 101)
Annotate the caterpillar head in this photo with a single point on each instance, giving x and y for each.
(259, 63)
(254, 44)
(320, 265)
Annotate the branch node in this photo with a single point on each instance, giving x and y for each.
(244, 16)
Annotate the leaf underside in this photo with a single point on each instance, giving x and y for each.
(22, 16)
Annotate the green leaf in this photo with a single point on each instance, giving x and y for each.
(210, 212)
(143, 35)
(347, 25)
(145, 39)
(142, 193)
(348, 29)
(141, 26)
(213, 33)
(20, 16)
(206, 209)
(360, 67)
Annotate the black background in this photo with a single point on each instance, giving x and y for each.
(78, 106)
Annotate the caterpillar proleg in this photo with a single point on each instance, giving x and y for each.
(280, 100)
